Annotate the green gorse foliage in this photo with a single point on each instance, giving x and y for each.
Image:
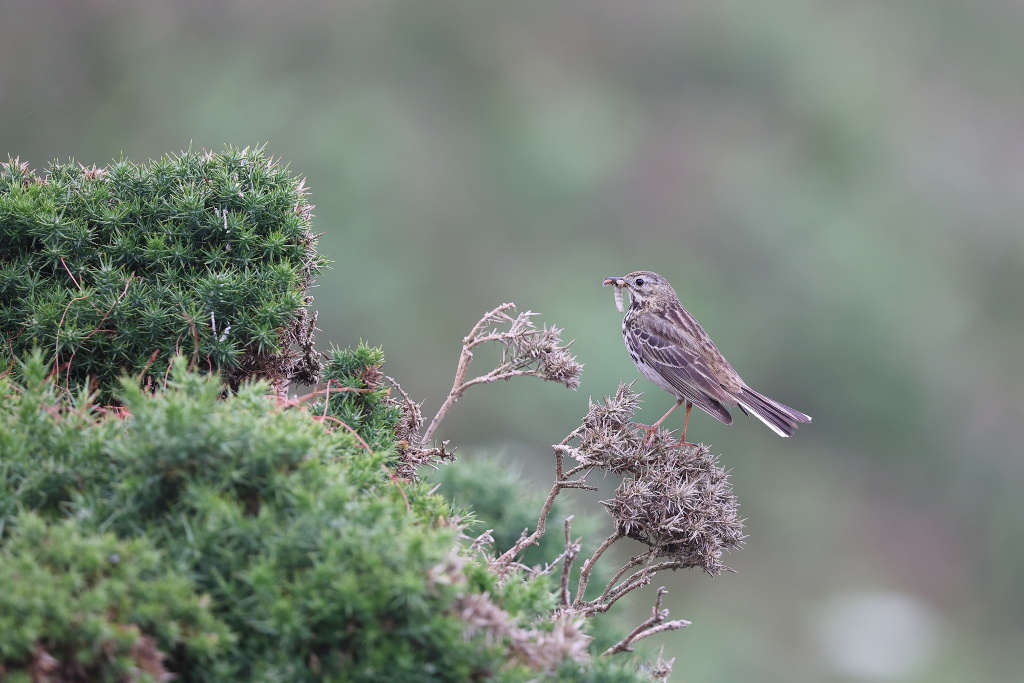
(116, 270)
(357, 398)
(78, 605)
(254, 542)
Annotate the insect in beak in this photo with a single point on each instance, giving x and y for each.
(619, 284)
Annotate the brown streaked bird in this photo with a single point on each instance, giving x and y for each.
(672, 350)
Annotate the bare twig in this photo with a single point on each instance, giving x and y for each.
(637, 580)
(588, 567)
(571, 551)
(469, 342)
(527, 540)
(655, 624)
(633, 561)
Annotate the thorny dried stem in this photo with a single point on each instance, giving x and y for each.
(528, 351)
(484, 540)
(588, 567)
(569, 556)
(660, 669)
(638, 580)
(412, 454)
(562, 481)
(657, 623)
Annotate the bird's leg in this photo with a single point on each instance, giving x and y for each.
(654, 427)
(682, 438)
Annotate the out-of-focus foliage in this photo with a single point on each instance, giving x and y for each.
(86, 606)
(832, 188)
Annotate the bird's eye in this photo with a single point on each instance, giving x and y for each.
(639, 282)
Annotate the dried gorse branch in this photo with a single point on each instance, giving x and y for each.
(527, 351)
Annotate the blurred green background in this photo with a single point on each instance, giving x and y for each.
(835, 189)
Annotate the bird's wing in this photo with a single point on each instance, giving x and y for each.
(665, 349)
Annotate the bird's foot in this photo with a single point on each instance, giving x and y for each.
(650, 429)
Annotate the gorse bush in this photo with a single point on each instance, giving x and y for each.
(78, 605)
(285, 550)
(115, 270)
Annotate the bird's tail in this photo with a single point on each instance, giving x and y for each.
(780, 418)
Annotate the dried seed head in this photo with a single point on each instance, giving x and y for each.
(677, 501)
(607, 438)
(680, 503)
(541, 351)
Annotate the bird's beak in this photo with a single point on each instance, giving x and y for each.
(617, 281)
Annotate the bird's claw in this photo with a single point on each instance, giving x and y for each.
(652, 429)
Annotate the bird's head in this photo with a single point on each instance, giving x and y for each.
(643, 286)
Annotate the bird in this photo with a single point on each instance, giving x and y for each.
(673, 351)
